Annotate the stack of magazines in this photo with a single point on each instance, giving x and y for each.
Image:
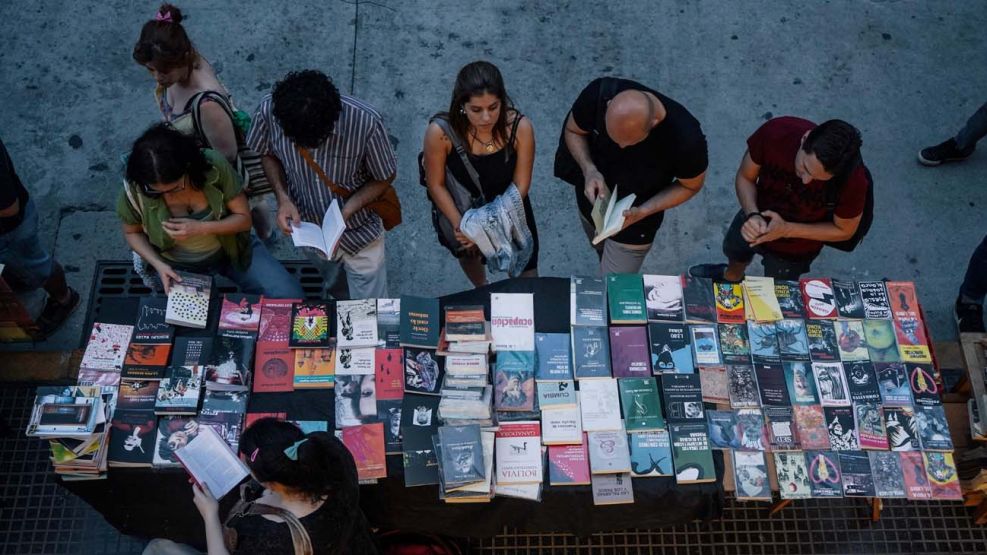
(74, 421)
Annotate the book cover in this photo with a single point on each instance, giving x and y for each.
(366, 443)
(880, 338)
(274, 368)
(892, 382)
(810, 423)
(225, 401)
(663, 298)
(608, 452)
(240, 312)
(818, 297)
(849, 303)
(356, 323)
(916, 480)
(389, 414)
(137, 395)
(943, 479)
(107, 346)
(462, 459)
(227, 425)
(771, 386)
(316, 368)
(924, 383)
(590, 352)
(641, 404)
(309, 325)
(599, 403)
(933, 430)
(423, 371)
(729, 299)
(90, 377)
(556, 393)
(625, 298)
(874, 296)
(743, 386)
(561, 426)
(355, 362)
(671, 348)
(389, 322)
(462, 365)
(825, 477)
(734, 344)
(761, 299)
(724, 431)
(691, 456)
(789, 296)
(512, 322)
(587, 301)
(230, 363)
(842, 429)
(612, 489)
(831, 384)
(713, 380)
(862, 382)
(553, 353)
(902, 428)
(150, 326)
(793, 475)
(188, 301)
(179, 390)
(822, 341)
(146, 354)
(858, 479)
(764, 341)
(419, 326)
(389, 374)
(174, 433)
(705, 345)
(870, 426)
(682, 397)
(850, 340)
(568, 465)
(651, 454)
(465, 323)
(793, 340)
(800, 383)
(885, 467)
(630, 353)
(751, 430)
(750, 474)
(132, 438)
(904, 301)
(191, 351)
(514, 381)
(275, 321)
(518, 453)
(700, 306)
(913, 345)
(780, 424)
(419, 421)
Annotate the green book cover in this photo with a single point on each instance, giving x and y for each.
(691, 454)
(625, 295)
(641, 404)
(419, 322)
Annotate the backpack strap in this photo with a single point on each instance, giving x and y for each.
(134, 199)
(513, 135)
(195, 104)
(457, 144)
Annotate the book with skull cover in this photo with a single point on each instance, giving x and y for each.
(861, 380)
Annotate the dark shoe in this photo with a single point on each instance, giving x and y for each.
(969, 317)
(715, 272)
(943, 152)
(54, 314)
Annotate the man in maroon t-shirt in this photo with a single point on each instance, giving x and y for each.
(782, 185)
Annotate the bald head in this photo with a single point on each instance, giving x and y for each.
(630, 117)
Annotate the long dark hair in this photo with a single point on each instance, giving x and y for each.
(476, 79)
(164, 155)
(164, 43)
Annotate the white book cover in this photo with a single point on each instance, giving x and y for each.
(518, 447)
(466, 365)
(512, 321)
(324, 238)
(529, 492)
(188, 301)
(612, 489)
(600, 405)
(562, 426)
(356, 323)
(107, 346)
(663, 298)
(355, 362)
(212, 463)
(608, 452)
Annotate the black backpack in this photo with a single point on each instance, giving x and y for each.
(866, 218)
(566, 167)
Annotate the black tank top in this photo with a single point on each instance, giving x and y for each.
(496, 170)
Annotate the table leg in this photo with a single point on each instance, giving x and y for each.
(779, 506)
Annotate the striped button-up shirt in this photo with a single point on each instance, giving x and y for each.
(356, 152)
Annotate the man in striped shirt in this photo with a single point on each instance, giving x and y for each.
(346, 139)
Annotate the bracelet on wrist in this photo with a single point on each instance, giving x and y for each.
(752, 214)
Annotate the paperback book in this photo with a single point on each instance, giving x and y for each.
(825, 477)
(188, 300)
(663, 298)
(587, 301)
(771, 385)
(355, 362)
(568, 465)
(750, 429)
(590, 352)
(641, 404)
(137, 395)
(309, 325)
(705, 345)
(518, 453)
(922, 379)
(780, 424)
(240, 312)
(275, 321)
(913, 345)
(933, 429)
(764, 341)
(870, 426)
(793, 475)
(750, 473)
(211, 463)
(892, 381)
(902, 428)
(466, 323)
(761, 300)
(389, 323)
(419, 422)
(793, 340)
(682, 397)
(630, 354)
(561, 426)
(885, 467)
(943, 479)
(556, 394)
(800, 383)
(819, 299)
(599, 403)
(462, 455)
(849, 304)
(862, 382)
(179, 391)
(917, 486)
(714, 384)
(612, 489)
(734, 343)
(514, 381)
(691, 456)
(880, 338)
(904, 301)
(512, 322)
(671, 349)
(356, 401)
(810, 422)
(724, 431)
(625, 298)
(858, 478)
(366, 443)
(729, 299)
(877, 306)
(107, 347)
(842, 429)
(315, 368)
(174, 433)
(831, 384)
(789, 297)
(419, 326)
(274, 368)
(822, 341)
(423, 371)
(553, 353)
(389, 374)
(147, 355)
(230, 363)
(651, 454)
(356, 324)
(608, 452)
(150, 327)
(742, 385)
(132, 438)
(850, 340)
(700, 307)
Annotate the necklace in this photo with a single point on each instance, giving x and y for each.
(489, 147)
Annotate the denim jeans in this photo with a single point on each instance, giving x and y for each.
(974, 287)
(974, 130)
(21, 251)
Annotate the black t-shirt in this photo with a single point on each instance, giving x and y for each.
(675, 148)
(11, 189)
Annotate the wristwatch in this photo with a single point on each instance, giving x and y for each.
(752, 214)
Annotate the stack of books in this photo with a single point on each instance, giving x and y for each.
(74, 421)
(466, 391)
(465, 457)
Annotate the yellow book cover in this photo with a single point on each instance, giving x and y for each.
(761, 296)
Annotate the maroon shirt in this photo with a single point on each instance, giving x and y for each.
(773, 147)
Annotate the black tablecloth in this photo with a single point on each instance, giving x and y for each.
(158, 503)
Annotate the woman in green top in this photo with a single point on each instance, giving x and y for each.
(183, 208)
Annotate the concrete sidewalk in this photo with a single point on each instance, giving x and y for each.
(907, 74)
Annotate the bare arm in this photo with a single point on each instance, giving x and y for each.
(287, 211)
(436, 149)
(137, 240)
(746, 185)
(840, 229)
(218, 129)
(675, 194)
(12, 209)
(525, 156)
(578, 144)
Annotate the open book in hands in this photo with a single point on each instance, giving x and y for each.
(608, 213)
(211, 463)
(324, 238)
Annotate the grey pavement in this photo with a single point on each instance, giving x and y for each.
(907, 73)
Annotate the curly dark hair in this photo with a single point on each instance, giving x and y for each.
(306, 105)
(164, 43)
(836, 144)
(164, 155)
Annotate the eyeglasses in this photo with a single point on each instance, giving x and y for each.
(157, 193)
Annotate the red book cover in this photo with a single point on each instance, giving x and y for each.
(275, 321)
(255, 416)
(274, 369)
(729, 302)
(147, 355)
(913, 344)
(941, 470)
(240, 312)
(811, 425)
(366, 444)
(916, 480)
(904, 301)
(819, 299)
(630, 352)
(568, 465)
(389, 374)
(870, 426)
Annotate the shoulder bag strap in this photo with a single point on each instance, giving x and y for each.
(135, 200)
(307, 155)
(196, 106)
(300, 539)
(460, 148)
(510, 140)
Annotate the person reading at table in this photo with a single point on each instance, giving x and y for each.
(182, 208)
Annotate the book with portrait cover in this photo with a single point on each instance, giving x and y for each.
(825, 477)
(174, 433)
(423, 371)
(892, 382)
(150, 326)
(881, 343)
(132, 438)
(842, 428)
(943, 479)
(874, 295)
(751, 430)
(389, 413)
(700, 306)
(240, 312)
(750, 475)
(724, 432)
(309, 325)
(630, 354)
(316, 368)
(568, 465)
(608, 452)
(793, 475)
(916, 480)
(851, 341)
(780, 424)
(849, 304)
(612, 489)
(514, 381)
(389, 323)
(590, 352)
(512, 322)
(274, 368)
(793, 341)
(671, 348)
(819, 299)
(734, 344)
(682, 397)
(861, 380)
(913, 344)
(691, 456)
(587, 301)
(771, 386)
(465, 323)
(904, 301)
(764, 341)
(885, 467)
(870, 426)
(553, 353)
(789, 297)
(923, 380)
(641, 404)
(651, 454)
(389, 374)
(822, 341)
(729, 298)
(275, 321)
(714, 383)
(625, 299)
(858, 479)
(800, 383)
(810, 422)
(933, 430)
(663, 298)
(356, 323)
(705, 344)
(419, 326)
(902, 428)
(188, 301)
(831, 384)
(742, 384)
(366, 443)
(230, 363)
